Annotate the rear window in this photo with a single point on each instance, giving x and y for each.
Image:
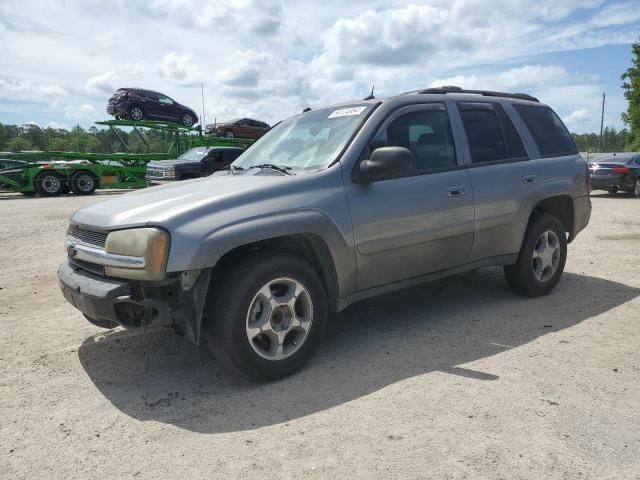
(548, 131)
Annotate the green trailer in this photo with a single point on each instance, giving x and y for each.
(50, 173)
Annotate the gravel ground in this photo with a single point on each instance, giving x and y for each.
(456, 379)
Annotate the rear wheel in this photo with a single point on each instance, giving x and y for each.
(136, 113)
(542, 257)
(229, 134)
(83, 183)
(49, 184)
(612, 190)
(267, 315)
(635, 191)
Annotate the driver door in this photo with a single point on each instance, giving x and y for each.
(423, 221)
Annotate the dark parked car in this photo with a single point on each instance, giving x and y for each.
(139, 104)
(620, 172)
(6, 163)
(194, 163)
(239, 128)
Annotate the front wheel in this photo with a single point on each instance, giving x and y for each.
(229, 134)
(136, 113)
(266, 315)
(635, 191)
(542, 257)
(187, 119)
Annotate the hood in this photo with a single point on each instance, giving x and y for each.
(168, 163)
(162, 204)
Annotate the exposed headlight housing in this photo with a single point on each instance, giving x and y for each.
(150, 243)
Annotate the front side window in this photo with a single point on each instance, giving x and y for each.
(425, 133)
(548, 131)
(490, 134)
(307, 142)
(165, 100)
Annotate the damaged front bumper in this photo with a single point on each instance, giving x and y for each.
(107, 302)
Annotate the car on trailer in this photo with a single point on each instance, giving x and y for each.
(238, 128)
(139, 104)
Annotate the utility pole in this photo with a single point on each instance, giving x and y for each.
(600, 145)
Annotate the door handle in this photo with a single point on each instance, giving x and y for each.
(455, 191)
(530, 178)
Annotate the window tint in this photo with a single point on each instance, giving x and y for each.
(215, 156)
(483, 133)
(547, 130)
(163, 99)
(513, 142)
(426, 134)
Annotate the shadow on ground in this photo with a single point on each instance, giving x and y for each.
(436, 327)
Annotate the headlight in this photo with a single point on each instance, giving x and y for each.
(150, 243)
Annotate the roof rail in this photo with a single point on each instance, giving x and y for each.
(486, 93)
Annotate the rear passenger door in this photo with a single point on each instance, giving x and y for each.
(506, 182)
(420, 222)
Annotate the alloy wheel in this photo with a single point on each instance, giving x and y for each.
(279, 318)
(546, 255)
(136, 113)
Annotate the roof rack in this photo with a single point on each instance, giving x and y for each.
(486, 93)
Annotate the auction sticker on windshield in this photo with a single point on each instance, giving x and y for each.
(346, 112)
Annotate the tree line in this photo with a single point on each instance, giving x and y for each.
(14, 138)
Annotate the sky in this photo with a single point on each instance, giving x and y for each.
(61, 60)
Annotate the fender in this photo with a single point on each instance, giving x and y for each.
(308, 221)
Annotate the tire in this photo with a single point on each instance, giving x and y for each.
(83, 183)
(635, 191)
(229, 134)
(135, 113)
(612, 190)
(187, 119)
(237, 309)
(49, 184)
(537, 276)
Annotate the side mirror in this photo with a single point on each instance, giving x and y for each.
(386, 162)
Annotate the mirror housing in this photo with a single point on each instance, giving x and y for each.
(386, 162)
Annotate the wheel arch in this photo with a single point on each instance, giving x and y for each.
(310, 247)
(561, 206)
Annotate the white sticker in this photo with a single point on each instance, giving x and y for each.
(346, 112)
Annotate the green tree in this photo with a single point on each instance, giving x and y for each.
(631, 86)
(19, 144)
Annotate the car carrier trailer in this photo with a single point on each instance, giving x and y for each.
(52, 173)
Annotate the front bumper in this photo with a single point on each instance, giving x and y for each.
(157, 181)
(109, 301)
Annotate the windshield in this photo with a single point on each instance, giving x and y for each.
(193, 154)
(307, 142)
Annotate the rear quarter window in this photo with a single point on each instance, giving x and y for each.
(551, 136)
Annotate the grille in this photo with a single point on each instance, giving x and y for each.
(159, 172)
(97, 239)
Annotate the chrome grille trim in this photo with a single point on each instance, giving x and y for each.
(88, 237)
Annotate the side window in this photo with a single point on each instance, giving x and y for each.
(215, 157)
(165, 100)
(425, 133)
(636, 161)
(231, 155)
(548, 131)
(490, 133)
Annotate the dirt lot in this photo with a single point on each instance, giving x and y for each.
(456, 379)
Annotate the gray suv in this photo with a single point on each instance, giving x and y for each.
(331, 207)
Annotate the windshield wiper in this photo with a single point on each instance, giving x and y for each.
(280, 168)
(233, 168)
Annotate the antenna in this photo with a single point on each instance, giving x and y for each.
(370, 96)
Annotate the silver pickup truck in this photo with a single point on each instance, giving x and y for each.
(331, 207)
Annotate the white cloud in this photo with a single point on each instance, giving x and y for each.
(103, 83)
(85, 111)
(179, 69)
